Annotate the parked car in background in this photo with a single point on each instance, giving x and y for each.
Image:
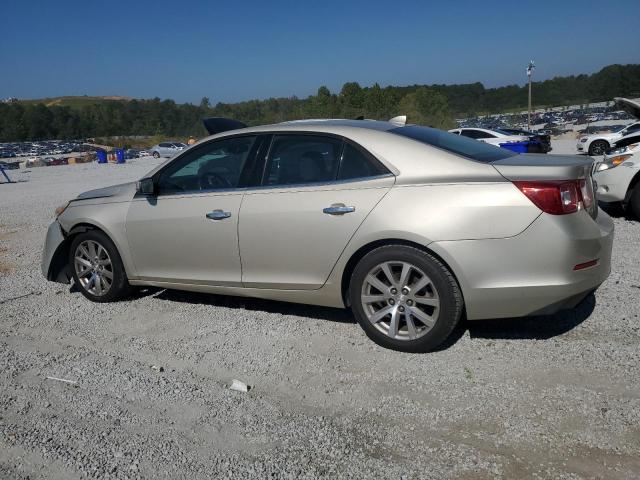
(167, 149)
(599, 143)
(10, 165)
(492, 137)
(133, 153)
(538, 142)
(430, 225)
(618, 175)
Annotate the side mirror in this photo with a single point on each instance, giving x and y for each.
(146, 186)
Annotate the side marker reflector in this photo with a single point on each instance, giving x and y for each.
(582, 266)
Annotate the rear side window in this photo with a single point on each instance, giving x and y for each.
(355, 164)
(300, 159)
(463, 146)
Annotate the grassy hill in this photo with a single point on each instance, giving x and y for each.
(75, 101)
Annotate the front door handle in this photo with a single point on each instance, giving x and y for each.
(338, 209)
(218, 215)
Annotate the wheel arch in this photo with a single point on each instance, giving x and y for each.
(632, 184)
(59, 266)
(365, 249)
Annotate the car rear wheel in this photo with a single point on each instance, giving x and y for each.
(97, 269)
(156, 155)
(599, 147)
(405, 299)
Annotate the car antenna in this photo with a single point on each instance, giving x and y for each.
(399, 120)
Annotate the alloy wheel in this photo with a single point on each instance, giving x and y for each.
(93, 267)
(598, 148)
(400, 300)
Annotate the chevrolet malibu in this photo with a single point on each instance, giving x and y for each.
(410, 227)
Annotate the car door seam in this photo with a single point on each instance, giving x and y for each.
(354, 233)
(238, 238)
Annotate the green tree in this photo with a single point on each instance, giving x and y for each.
(427, 107)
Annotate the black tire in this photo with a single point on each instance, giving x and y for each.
(634, 201)
(156, 155)
(598, 147)
(450, 296)
(119, 287)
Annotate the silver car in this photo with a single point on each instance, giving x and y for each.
(410, 227)
(167, 149)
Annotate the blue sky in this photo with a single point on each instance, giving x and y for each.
(238, 50)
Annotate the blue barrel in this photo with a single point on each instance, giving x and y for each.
(120, 155)
(102, 156)
(518, 147)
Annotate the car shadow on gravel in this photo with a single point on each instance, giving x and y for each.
(256, 304)
(523, 328)
(532, 328)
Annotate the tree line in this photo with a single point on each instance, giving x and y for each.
(435, 105)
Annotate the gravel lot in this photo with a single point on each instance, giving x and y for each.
(545, 397)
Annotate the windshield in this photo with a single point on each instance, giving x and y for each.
(466, 147)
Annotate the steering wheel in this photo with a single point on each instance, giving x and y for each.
(210, 180)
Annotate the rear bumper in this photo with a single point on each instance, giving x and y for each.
(532, 273)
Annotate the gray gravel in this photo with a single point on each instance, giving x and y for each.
(546, 397)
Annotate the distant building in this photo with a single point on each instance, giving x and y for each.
(10, 100)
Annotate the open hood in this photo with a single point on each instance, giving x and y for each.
(629, 106)
(219, 124)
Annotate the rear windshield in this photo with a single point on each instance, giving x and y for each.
(467, 147)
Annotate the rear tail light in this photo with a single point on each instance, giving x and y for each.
(558, 197)
(586, 192)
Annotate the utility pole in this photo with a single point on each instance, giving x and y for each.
(529, 73)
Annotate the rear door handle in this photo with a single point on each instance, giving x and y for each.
(218, 215)
(338, 209)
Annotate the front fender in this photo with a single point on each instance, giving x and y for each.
(54, 262)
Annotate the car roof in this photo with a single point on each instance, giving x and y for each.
(342, 127)
(403, 156)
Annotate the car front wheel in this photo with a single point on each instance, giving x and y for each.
(156, 155)
(405, 299)
(599, 147)
(96, 267)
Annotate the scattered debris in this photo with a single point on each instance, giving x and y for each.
(64, 380)
(18, 297)
(239, 386)
(157, 368)
(468, 373)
